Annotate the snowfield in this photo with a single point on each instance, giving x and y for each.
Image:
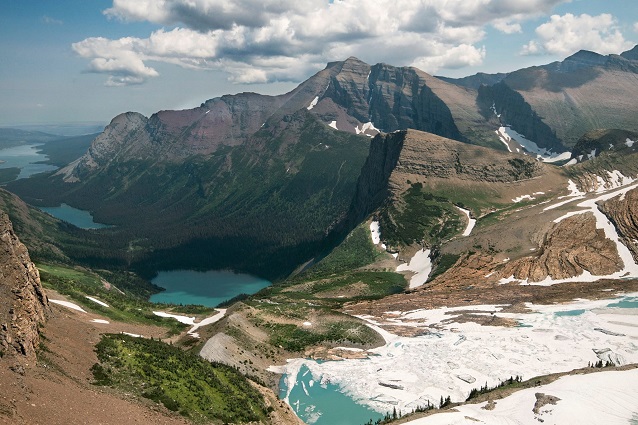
(511, 138)
(609, 398)
(453, 358)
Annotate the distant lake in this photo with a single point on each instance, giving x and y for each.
(80, 218)
(204, 288)
(25, 158)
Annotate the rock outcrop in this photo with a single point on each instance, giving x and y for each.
(623, 213)
(23, 303)
(571, 247)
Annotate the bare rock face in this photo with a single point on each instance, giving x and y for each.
(573, 246)
(23, 303)
(623, 213)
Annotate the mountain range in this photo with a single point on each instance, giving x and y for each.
(272, 177)
(396, 211)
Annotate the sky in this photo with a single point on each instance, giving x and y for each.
(67, 61)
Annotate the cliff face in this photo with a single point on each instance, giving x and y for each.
(23, 303)
(623, 213)
(419, 157)
(516, 112)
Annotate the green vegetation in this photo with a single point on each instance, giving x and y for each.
(8, 174)
(511, 382)
(76, 284)
(420, 217)
(262, 208)
(355, 251)
(294, 338)
(442, 264)
(181, 381)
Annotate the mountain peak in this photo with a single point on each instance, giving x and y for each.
(631, 54)
(587, 57)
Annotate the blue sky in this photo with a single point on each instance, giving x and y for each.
(88, 60)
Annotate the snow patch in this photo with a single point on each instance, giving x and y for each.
(421, 265)
(68, 305)
(366, 127)
(333, 124)
(106, 322)
(181, 319)
(313, 103)
(207, 321)
(471, 222)
(191, 320)
(375, 233)
(95, 300)
(571, 162)
(522, 198)
(507, 136)
(629, 142)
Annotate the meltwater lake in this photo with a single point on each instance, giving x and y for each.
(204, 288)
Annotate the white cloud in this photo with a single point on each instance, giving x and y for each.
(51, 21)
(507, 27)
(636, 27)
(531, 48)
(568, 33)
(268, 40)
(454, 58)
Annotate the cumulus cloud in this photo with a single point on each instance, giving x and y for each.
(454, 58)
(568, 33)
(258, 41)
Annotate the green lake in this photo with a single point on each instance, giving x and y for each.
(204, 288)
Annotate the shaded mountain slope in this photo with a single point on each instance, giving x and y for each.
(584, 92)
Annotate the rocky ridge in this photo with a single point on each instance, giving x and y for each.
(623, 213)
(571, 247)
(25, 305)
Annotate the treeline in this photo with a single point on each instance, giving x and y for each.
(485, 389)
(397, 414)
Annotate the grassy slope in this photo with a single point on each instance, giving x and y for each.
(180, 380)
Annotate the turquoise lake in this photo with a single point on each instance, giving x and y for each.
(324, 404)
(204, 288)
(628, 302)
(26, 158)
(570, 313)
(79, 218)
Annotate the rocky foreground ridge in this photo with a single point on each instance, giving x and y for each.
(24, 306)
